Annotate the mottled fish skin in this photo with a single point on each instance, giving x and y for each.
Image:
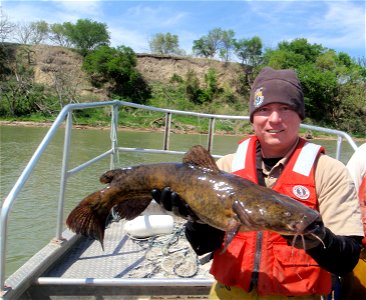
(218, 198)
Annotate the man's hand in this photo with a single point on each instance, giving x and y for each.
(171, 201)
(310, 240)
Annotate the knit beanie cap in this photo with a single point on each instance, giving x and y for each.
(276, 86)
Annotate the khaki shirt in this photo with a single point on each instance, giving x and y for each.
(338, 202)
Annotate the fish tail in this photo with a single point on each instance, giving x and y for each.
(89, 218)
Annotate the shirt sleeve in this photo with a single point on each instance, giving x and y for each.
(225, 163)
(357, 165)
(337, 197)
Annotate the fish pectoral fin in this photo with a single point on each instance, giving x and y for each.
(200, 157)
(133, 206)
(244, 216)
(231, 232)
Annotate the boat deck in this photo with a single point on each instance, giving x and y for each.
(165, 256)
(157, 267)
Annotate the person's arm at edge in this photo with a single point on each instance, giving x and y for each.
(343, 231)
(340, 254)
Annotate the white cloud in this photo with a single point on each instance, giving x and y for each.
(337, 24)
(157, 16)
(53, 11)
(343, 25)
(80, 8)
(136, 25)
(131, 38)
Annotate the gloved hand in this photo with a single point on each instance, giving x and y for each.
(171, 201)
(310, 240)
(203, 237)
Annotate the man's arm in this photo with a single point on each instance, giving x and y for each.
(340, 211)
(340, 254)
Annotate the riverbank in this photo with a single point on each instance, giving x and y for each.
(306, 135)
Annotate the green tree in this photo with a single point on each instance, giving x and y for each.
(19, 95)
(40, 30)
(205, 94)
(345, 59)
(249, 51)
(293, 54)
(349, 107)
(57, 34)
(320, 90)
(351, 113)
(203, 47)
(193, 90)
(332, 83)
(302, 47)
(227, 44)
(211, 81)
(165, 43)
(87, 34)
(283, 59)
(327, 61)
(117, 64)
(217, 41)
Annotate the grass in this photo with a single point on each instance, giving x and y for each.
(167, 98)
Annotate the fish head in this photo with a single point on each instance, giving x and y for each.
(275, 212)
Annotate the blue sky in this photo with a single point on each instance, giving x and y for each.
(337, 24)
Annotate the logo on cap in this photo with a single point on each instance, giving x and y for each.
(301, 192)
(258, 97)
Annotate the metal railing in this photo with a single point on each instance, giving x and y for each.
(66, 115)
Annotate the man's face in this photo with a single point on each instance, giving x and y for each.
(276, 125)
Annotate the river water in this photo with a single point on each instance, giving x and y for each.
(33, 217)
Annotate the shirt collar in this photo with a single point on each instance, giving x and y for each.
(283, 161)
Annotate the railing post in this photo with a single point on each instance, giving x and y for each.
(114, 137)
(211, 129)
(168, 121)
(64, 176)
(339, 147)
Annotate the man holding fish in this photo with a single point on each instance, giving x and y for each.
(265, 264)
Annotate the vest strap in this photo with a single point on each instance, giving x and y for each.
(240, 156)
(306, 159)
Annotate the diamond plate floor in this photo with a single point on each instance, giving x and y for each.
(166, 256)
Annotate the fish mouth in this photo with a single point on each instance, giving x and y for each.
(306, 226)
(313, 227)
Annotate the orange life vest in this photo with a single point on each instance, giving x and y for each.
(263, 258)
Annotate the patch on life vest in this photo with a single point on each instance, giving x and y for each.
(258, 97)
(301, 192)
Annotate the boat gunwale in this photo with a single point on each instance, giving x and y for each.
(18, 282)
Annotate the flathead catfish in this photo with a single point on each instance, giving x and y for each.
(218, 198)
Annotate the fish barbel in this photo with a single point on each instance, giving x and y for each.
(220, 199)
